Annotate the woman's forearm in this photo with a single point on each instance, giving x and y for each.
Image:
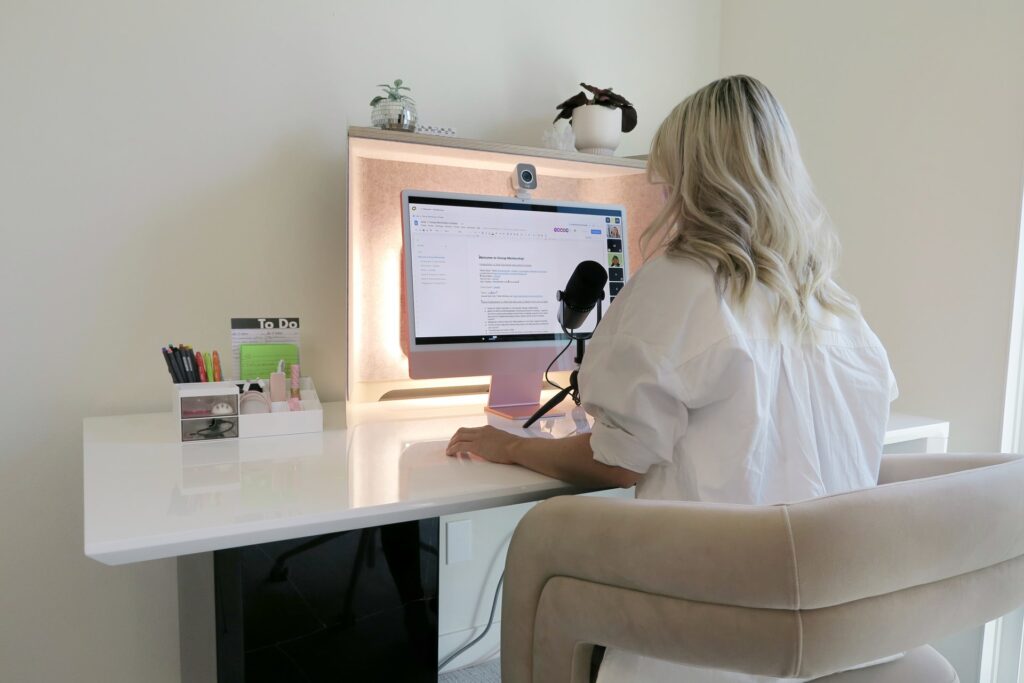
(570, 460)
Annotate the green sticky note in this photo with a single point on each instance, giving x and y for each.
(257, 361)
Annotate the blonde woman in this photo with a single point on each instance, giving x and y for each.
(731, 368)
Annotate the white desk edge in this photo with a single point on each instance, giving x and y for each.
(231, 533)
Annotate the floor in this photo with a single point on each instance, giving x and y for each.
(488, 672)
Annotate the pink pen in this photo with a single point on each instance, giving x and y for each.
(295, 380)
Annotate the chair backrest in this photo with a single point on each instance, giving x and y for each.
(804, 589)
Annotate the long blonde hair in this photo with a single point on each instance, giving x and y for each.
(739, 199)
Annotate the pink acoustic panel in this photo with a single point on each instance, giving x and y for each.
(378, 335)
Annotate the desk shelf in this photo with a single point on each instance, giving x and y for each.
(436, 149)
(382, 164)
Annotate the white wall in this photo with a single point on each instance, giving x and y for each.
(154, 154)
(150, 154)
(910, 116)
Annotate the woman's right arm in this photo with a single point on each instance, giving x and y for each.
(570, 459)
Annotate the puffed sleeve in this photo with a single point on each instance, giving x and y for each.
(633, 393)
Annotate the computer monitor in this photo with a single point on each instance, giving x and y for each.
(481, 276)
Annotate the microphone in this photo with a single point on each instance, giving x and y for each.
(584, 289)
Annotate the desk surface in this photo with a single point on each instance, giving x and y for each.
(147, 496)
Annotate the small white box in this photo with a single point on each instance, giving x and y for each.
(209, 410)
(206, 410)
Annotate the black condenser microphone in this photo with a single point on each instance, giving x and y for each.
(584, 289)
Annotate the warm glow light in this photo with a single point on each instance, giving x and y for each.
(379, 169)
(389, 289)
(355, 282)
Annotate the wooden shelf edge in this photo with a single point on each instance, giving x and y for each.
(368, 133)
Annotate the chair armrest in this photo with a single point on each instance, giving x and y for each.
(673, 548)
(907, 466)
(583, 571)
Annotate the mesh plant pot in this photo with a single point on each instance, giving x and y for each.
(394, 115)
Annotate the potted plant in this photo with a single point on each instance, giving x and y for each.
(598, 122)
(394, 110)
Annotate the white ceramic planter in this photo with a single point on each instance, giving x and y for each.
(598, 129)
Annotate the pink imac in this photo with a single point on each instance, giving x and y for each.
(481, 274)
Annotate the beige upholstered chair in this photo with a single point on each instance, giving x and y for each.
(801, 590)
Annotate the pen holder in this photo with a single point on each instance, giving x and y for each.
(210, 410)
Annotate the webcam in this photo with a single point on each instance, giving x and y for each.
(524, 179)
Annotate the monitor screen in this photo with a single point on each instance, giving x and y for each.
(485, 269)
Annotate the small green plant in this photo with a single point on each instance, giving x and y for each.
(394, 93)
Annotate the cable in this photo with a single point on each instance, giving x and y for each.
(490, 620)
(573, 337)
(555, 360)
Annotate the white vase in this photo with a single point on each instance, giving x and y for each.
(598, 128)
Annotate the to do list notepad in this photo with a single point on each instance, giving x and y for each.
(267, 330)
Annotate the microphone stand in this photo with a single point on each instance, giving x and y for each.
(573, 390)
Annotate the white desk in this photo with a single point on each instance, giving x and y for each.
(148, 496)
(913, 434)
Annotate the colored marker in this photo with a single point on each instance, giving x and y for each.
(174, 363)
(190, 363)
(179, 363)
(200, 366)
(180, 350)
(170, 368)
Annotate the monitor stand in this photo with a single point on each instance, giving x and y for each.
(515, 397)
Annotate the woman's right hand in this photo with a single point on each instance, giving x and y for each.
(490, 443)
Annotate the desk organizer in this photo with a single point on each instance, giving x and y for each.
(209, 410)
